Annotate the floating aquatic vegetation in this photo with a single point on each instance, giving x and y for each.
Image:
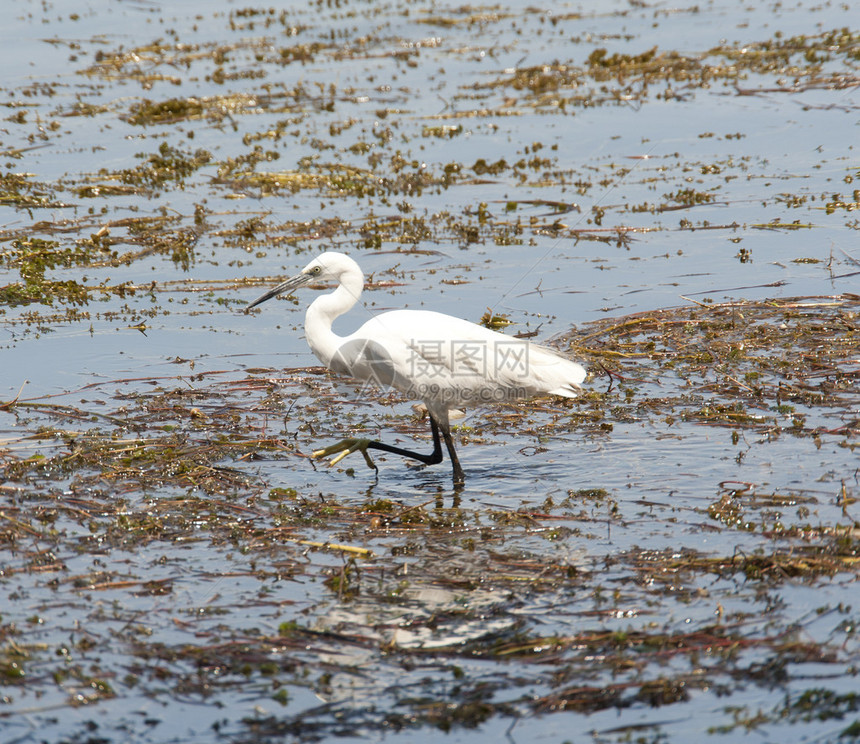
(682, 537)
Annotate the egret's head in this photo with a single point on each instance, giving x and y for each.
(328, 268)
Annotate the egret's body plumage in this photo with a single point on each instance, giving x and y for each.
(441, 360)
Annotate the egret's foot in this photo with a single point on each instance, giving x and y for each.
(346, 447)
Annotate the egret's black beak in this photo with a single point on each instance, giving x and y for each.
(294, 282)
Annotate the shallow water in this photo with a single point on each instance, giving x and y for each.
(674, 554)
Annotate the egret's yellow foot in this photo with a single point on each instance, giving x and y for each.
(346, 447)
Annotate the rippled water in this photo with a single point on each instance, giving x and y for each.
(627, 186)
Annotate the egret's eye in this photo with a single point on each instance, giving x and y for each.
(316, 270)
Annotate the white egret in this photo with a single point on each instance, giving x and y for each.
(441, 360)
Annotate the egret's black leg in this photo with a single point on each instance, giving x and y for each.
(459, 475)
(434, 458)
(355, 444)
(346, 446)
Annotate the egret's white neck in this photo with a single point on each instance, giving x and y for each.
(323, 311)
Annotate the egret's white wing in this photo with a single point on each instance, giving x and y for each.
(437, 356)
